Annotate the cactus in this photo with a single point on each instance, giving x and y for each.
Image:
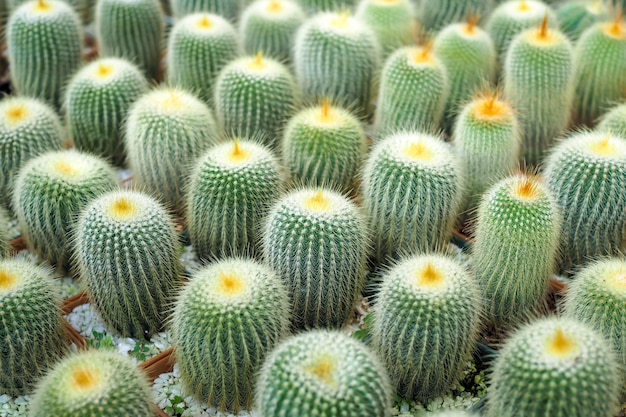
(44, 40)
(323, 373)
(538, 75)
(614, 121)
(255, 96)
(79, 6)
(97, 102)
(228, 9)
(546, 369)
(600, 78)
(414, 89)
(231, 189)
(50, 192)
(93, 383)
(587, 175)
(31, 329)
(172, 123)
(412, 190)
(435, 15)
(200, 45)
(5, 244)
(576, 16)
(391, 20)
(426, 322)
(337, 57)
(453, 413)
(133, 30)
(131, 273)
(313, 7)
(225, 322)
(28, 128)
(324, 145)
(516, 247)
(270, 26)
(316, 240)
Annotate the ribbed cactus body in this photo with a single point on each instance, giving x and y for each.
(411, 194)
(614, 121)
(414, 88)
(228, 9)
(50, 192)
(600, 78)
(426, 322)
(166, 130)
(337, 56)
(133, 30)
(225, 322)
(576, 16)
(323, 373)
(254, 97)
(516, 245)
(231, 189)
(435, 15)
(132, 271)
(312, 7)
(324, 145)
(200, 45)
(391, 20)
(97, 102)
(4, 233)
(28, 128)
(316, 240)
(546, 368)
(587, 175)
(93, 383)
(538, 75)
(31, 329)
(44, 41)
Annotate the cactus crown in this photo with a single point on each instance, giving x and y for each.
(543, 35)
(490, 107)
(8, 280)
(607, 146)
(15, 114)
(172, 101)
(560, 346)
(615, 29)
(71, 167)
(42, 6)
(421, 55)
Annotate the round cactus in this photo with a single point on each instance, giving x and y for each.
(31, 329)
(323, 373)
(228, 9)
(231, 189)
(391, 20)
(614, 121)
(97, 102)
(200, 45)
(316, 240)
(44, 41)
(226, 320)
(79, 6)
(426, 322)
(546, 369)
(576, 16)
(93, 383)
(168, 123)
(50, 192)
(324, 145)
(131, 270)
(28, 128)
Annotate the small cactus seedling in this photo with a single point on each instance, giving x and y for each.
(614, 121)
(323, 373)
(391, 20)
(576, 16)
(225, 321)
(437, 14)
(426, 322)
(31, 329)
(228, 9)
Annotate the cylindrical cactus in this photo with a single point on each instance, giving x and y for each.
(576, 16)
(31, 329)
(228, 9)
(97, 102)
(225, 322)
(393, 22)
(435, 15)
(614, 121)
(426, 321)
(323, 373)
(132, 271)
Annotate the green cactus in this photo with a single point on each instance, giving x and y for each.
(130, 273)
(228, 9)
(614, 121)
(317, 242)
(31, 329)
(313, 7)
(226, 320)
(435, 15)
(97, 102)
(576, 16)
(337, 57)
(168, 123)
(538, 75)
(5, 243)
(200, 45)
(587, 175)
(412, 191)
(28, 128)
(453, 413)
(133, 30)
(413, 92)
(323, 373)
(231, 189)
(254, 97)
(50, 192)
(79, 6)
(93, 383)
(44, 40)
(393, 22)
(324, 145)
(546, 369)
(426, 321)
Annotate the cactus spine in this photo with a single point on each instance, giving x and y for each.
(576, 16)
(437, 14)
(228, 9)
(614, 121)
(391, 20)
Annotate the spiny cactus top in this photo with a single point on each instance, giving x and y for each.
(614, 121)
